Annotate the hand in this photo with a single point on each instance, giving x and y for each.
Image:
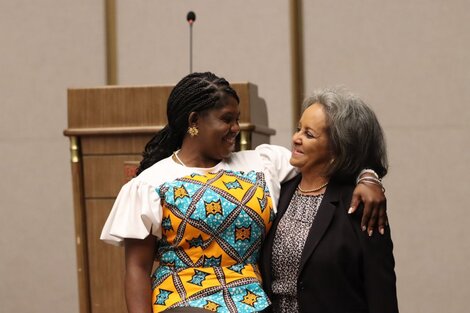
(375, 207)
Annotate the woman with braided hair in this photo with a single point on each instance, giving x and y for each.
(202, 210)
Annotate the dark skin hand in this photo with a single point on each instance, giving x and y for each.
(375, 207)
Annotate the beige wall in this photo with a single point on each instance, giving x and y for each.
(46, 46)
(409, 60)
(240, 40)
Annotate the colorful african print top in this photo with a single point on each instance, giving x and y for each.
(210, 224)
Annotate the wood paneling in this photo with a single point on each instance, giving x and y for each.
(122, 144)
(117, 106)
(106, 262)
(104, 175)
(108, 107)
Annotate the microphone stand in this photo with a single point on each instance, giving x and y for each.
(191, 18)
(190, 47)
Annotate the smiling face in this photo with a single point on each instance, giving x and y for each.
(310, 144)
(218, 129)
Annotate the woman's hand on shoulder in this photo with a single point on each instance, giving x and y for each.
(375, 207)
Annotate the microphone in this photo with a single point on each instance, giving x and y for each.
(191, 18)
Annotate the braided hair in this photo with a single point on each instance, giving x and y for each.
(197, 92)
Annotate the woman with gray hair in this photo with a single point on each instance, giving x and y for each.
(316, 257)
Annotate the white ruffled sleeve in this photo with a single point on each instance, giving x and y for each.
(136, 212)
(276, 162)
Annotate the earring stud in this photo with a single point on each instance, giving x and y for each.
(193, 131)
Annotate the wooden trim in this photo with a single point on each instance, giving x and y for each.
(258, 129)
(245, 140)
(111, 42)
(103, 131)
(111, 130)
(297, 61)
(80, 229)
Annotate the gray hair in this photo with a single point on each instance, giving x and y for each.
(355, 135)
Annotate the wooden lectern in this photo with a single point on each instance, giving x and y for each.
(108, 128)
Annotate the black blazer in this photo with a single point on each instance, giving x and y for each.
(342, 270)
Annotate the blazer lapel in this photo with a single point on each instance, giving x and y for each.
(287, 193)
(322, 220)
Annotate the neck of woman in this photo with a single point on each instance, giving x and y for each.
(313, 184)
(192, 158)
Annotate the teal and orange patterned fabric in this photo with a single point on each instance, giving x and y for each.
(212, 230)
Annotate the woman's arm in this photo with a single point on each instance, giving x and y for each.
(139, 262)
(375, 206)
(276, 159)
(369, 190)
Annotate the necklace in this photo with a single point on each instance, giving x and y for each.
(178, 159)
(312, 190)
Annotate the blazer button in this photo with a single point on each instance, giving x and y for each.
(301, 285)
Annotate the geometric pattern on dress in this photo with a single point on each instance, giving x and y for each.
(214, 226)
(166, 223)
(237, 296)
(237, 268)
(211, 306)
(250, 298)
(211, 261)
(195, 241)
(211, 208)
(198, 277)
(233, 184)
(242, 233)
(162, 296)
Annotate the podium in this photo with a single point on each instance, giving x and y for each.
(108, 128)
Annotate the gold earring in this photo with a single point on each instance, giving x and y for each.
(193, 131)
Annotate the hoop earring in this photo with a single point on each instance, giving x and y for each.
(193, 131)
